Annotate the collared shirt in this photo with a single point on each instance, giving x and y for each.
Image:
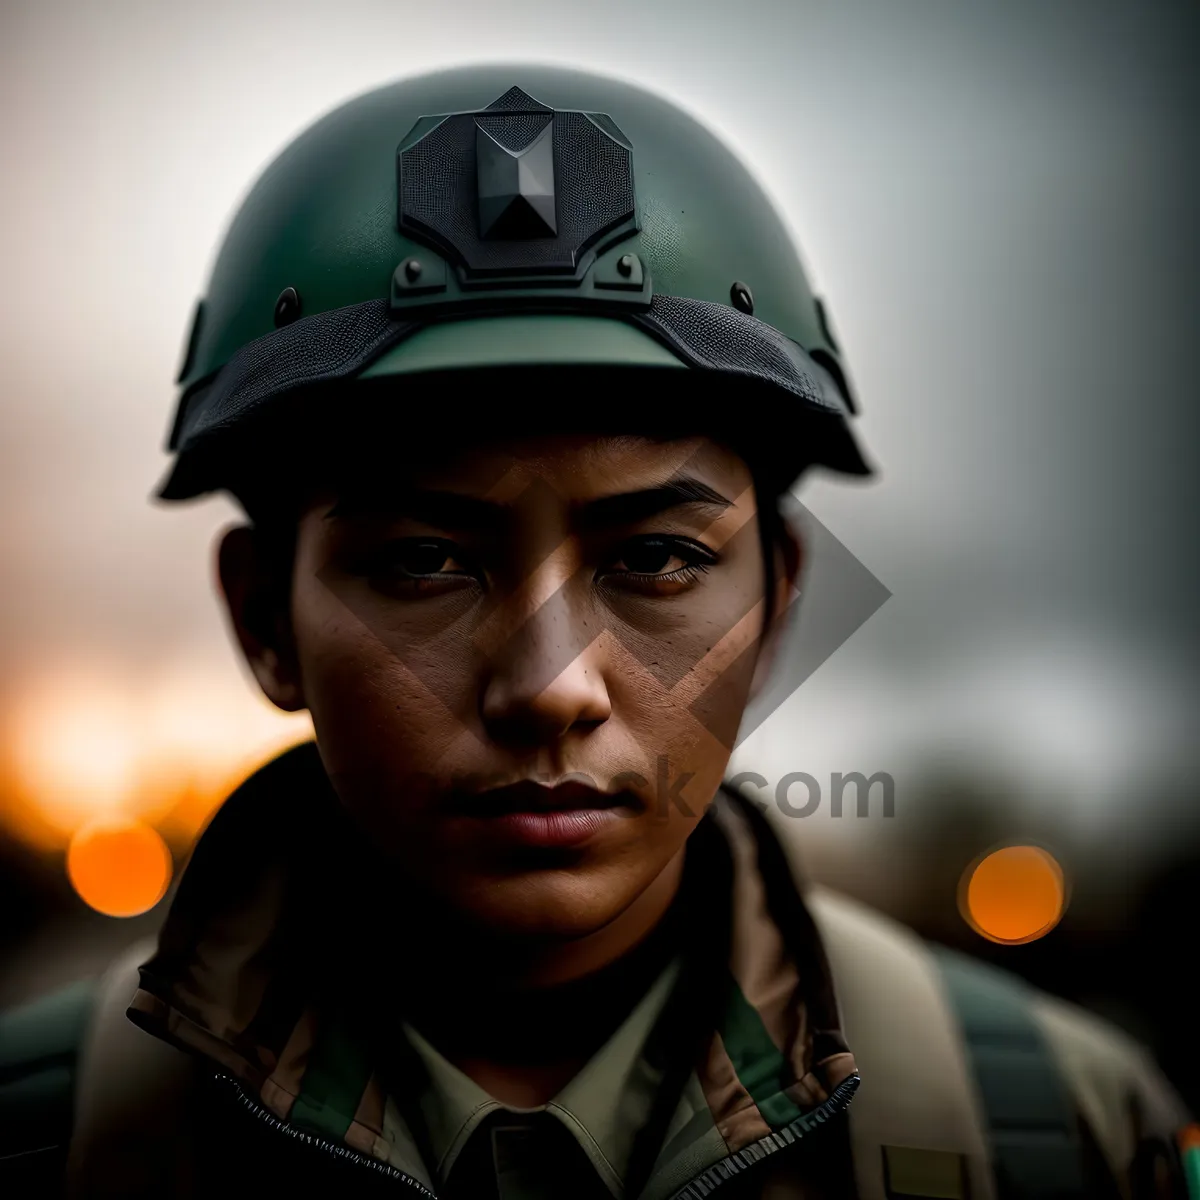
(602, 1107)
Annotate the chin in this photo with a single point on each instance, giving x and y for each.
(554, 904)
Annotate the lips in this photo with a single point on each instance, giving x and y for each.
(530, 797)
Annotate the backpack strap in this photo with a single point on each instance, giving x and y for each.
(135, 1101)
(1032, 1125)
(916, 1127)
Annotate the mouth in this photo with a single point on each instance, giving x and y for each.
(530, 797)
(535, 816)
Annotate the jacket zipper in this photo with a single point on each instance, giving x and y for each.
(344, 1153)
(729, 1168)
(697, 1188)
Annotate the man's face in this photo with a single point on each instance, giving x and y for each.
(550, 611)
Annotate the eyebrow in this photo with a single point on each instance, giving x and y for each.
(453, 510)
(681, 492)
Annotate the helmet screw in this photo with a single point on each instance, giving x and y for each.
(412, 269)
(625, 265)
(741, 297)
(287, 307)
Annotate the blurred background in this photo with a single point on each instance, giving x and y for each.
(998, 204)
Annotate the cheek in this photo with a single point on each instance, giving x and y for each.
(390, 700)
(683, 740)
(684, 682)
(681, 694)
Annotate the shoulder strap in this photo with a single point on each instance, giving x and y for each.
(134, 1101)
(915, 1125)
(1031, 1123)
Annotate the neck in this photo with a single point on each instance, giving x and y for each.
(522, 1019)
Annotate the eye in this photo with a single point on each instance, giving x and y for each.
(426, 557)
(419, 559)
(658, 565)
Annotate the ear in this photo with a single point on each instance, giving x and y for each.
(789, 561)
(258, 598)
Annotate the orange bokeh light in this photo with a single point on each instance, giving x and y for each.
(1015, 894)
(78, 745)
(119, 866)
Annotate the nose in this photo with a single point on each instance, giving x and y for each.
(547, 677)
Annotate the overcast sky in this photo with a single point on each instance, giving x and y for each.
(998, 203)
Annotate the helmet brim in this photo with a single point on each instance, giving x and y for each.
(473, 360)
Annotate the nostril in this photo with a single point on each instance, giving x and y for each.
(537, 724)
(576, 701)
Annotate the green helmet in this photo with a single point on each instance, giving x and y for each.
(507, 217)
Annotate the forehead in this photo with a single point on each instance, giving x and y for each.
(571, 468)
